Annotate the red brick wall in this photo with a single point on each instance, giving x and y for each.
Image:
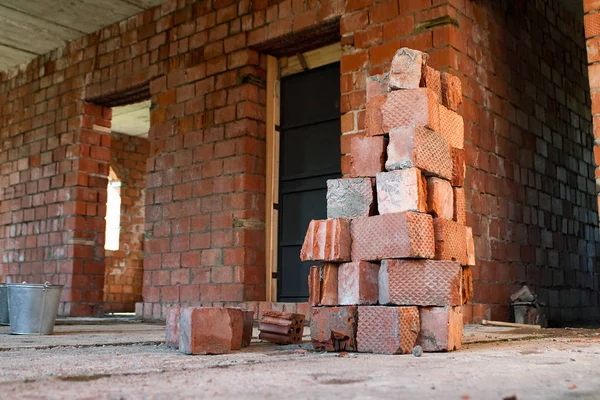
(124, 267)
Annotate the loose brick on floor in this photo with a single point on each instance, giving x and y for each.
(401, 235)
(281, 327)
(467, 284)
(387, 330)
(350, 197)
(451, 91)
(210, 330)
(172, 328)
(432, 79)
(470, 247)
(401, 190)
(420, 282)
(402, 108)
(327, 240)
(367, 156)
(460, 206)
(440, 198)
(452, 127)
(450, 240)
(334, 328)
(358, 283)
(458, 167)
(441, 328)
(407, 69)
(416, 146)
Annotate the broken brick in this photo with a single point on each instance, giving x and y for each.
(351, 197)
(358, 283)
(467, 284)
(327, 240)
(323, 285)
(432, 79)
(377, 85)
(210, 330)
(247, 329)
(460, 206)
(451, 127)
(400, 108)
(416, 146)
(367, 156)
(440, 198)
(314, 285)
(387, 330)
(407, 69)
(401, 190)
(450, 240)
(400, 235)
(470, 247)
(451, 91)
(420, 282)
(441, 328)
(172, 330)
(334, 328)
(458, 167)
(281, 327)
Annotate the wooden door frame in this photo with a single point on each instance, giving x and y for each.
(277, 69)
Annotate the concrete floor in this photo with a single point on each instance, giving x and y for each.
(129, 361)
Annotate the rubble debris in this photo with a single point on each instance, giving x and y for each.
(527, 309)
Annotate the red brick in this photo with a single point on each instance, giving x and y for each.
(458, 167)
(327, 240)
(406, 70)
(172, 330)
(401, 235)
(417, 146)
(248, 317)
(450, 240)
(281, 327)
(420, 282)
(348, 198)
(452, 127)
(460, 206)
(440, 198)
(314, 285)
(323, 285)
(467, 284)
(357, 283)
(441, 328)
(432, 79)
(471, 261)
(402, 108)
(367, 156)
(401, 190)
(387, 330)
(334, 328)
(451, 91)
(376, 85)
(210, 330)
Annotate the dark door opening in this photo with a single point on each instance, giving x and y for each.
(309, 155)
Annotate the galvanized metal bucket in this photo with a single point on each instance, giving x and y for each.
(33, 308)
(4, 305)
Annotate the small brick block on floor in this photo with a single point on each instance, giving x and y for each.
(400, 235)
(451, 91)
(172, 329)
(432, 79)
(367, 156)
(458, 167)
(420, 282)
(440, 198)
(327, 240)
(400, 191)
(281, 327)
(416, 146)
(357, 283)
(323, 285)
(450, 240)
(407, 69)
(349, 198)
(334, 328)
(401, 108)
(387, 330)
(441, 328)
(452, 127)
(210, 330)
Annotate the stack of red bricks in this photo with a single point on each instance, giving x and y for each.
(395, 246)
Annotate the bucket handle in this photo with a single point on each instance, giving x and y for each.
(46, 286)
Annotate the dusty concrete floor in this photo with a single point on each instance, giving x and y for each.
(128, 361)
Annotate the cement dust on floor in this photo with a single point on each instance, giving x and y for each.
(127, 361)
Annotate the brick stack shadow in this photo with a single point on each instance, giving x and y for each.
(396, 248)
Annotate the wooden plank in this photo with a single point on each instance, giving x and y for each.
(314, 59)
(272, 195)
(9, 57)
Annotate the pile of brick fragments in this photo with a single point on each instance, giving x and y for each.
(395, 246)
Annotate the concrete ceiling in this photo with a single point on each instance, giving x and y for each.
(29, 28)
(132, 119)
